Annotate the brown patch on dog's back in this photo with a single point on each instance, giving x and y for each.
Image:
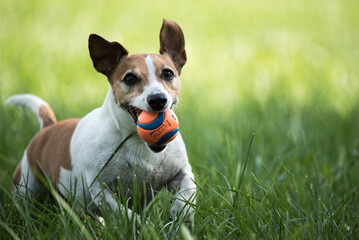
(49, 150)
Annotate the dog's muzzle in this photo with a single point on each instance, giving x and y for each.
(157, 101)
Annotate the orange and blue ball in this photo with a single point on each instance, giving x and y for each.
(157, 128)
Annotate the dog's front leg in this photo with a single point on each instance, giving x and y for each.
(101, 194)
(183, 182)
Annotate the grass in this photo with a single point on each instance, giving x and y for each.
(284, 70)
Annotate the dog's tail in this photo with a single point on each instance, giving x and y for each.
(44, 113)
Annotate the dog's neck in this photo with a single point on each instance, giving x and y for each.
(116, 117)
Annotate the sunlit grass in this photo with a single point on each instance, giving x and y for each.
(284, 70)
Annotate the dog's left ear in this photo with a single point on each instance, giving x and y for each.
(105, 55)
(172, 43)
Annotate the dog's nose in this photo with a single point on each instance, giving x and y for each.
(157, 101)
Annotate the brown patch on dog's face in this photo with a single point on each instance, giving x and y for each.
(122, 90)
(137, 76)
(162, 62)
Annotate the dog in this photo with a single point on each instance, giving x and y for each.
(78, 155)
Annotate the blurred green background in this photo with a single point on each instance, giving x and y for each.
(284, 70)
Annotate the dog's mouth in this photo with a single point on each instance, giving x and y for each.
(134, 112)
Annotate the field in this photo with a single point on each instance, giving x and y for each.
(269, 112)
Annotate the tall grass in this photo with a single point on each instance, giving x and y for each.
(284, 70)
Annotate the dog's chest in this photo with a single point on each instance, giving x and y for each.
(153, 171)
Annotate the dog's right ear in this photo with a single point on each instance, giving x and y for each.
(105, 55)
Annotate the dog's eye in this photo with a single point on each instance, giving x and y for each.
(130, 79)
(167, 74)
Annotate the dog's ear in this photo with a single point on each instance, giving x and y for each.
(105, 55)
(172, 43)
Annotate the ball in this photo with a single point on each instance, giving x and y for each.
(157, 128)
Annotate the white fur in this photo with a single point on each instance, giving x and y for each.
(28, 100)
(151, 70)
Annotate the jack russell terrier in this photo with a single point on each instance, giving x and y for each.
(73, 153)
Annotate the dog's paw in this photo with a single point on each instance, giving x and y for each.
(101, 220)
(183, 208)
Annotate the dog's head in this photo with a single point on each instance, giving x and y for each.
(148, 82)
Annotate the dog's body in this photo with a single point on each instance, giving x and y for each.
(72, 153)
